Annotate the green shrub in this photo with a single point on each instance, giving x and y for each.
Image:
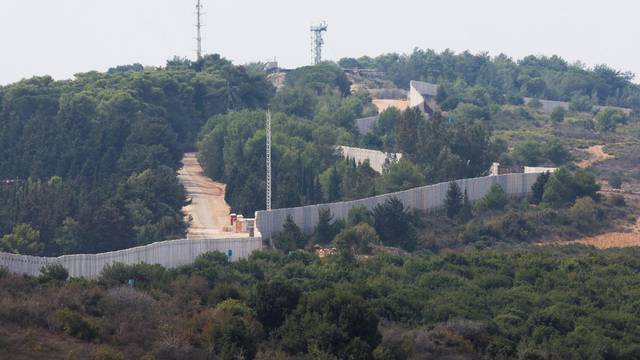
(534, 104)
(74, 324)
(581, 104)
(55, 272)
(495, 199)
(585, 213)
(615, 180)
(453, 201)
(394, 224)
(225, 291)
(609, 118)
(105, 353)
(143, 275)
(618, 200)
(558, 114)
(290, 238)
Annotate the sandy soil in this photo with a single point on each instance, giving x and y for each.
(384, 104)
(596, 155)
(609, 240)
(209, 212)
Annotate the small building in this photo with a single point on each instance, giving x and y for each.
(422, 95)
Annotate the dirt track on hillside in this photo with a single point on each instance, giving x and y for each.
(209, 212)
(596, 155)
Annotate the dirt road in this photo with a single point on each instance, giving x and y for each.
(596, 155)
(208, 209)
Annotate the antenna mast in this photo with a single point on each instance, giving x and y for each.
(268, 159)
(199, 28)
(317, 41)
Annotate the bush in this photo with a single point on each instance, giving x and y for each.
(581, 104)
(55, 272)
(585, 214)
(453, 200)
(225, 291)
(564, 187)
(326, 229)
(394, 224)
(558, 114)
(275, 300)
(74, 324)
(618, 200)
(105, 353)
(358, 215)
(235, 331)
(537, 190)
(143, 275)
(347, 319)
(534, 104)
(615, 180)
(609, 118)
(495, 199)
(290, 238)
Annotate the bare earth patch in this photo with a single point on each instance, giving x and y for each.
(608, 241)
(208, 212)
(384, 104)
(596, 155)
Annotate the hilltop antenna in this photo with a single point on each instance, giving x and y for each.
(317, 41)
(199, 29)
(269, 159)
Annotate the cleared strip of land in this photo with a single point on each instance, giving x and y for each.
(208, 211)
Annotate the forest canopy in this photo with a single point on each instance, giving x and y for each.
(95, 157)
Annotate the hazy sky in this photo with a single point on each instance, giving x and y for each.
(64, 37)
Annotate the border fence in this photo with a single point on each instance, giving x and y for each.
(175, 253)
(169, 254)
(425, 198)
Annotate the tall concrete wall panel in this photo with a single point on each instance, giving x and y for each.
(169, 254)
(365, 125)
(376, 158)
(426, 198)
(181, 252)
(550, 105)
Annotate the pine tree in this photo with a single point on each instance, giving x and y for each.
(453, 201)
(466, 213)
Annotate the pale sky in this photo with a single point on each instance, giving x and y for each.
(64, 37)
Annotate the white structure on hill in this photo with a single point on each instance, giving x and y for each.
(422, 95)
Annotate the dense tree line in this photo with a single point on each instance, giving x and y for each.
(540, 303)
(502, 79)
(95, 157)
(311, 115)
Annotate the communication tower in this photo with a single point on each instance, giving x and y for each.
(199, 29)
(317, 41)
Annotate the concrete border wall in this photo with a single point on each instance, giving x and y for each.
(550, 105)
(426, 198)
(376, 158)
(365, 125)
(169, 254)
(174, 253)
